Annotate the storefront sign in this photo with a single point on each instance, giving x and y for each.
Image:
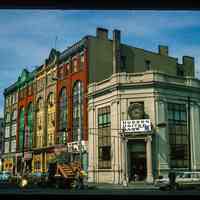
(140, 125)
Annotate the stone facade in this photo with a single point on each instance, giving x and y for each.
(155, 90)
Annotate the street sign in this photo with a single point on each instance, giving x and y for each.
(139, 125)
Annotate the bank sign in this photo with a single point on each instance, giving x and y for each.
(139, 125)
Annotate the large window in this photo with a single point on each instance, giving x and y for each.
(50, 119)
(13, 146)
(6, 147)
(14, 125)
(178, 135)
(62, 116)
(7, 117)
(21, 129)
(77, 110)
(13, 129)
(104, 138)
(39, 123)
(30, 125)
(7, 132)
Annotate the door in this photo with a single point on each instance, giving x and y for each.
(138, 166)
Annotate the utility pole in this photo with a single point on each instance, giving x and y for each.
(189, 145)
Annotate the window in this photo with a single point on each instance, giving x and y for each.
(147, 65)
(14, 129)
(39, 123)
(50, 119)
(82, 60)
(178, 136)
(68, 68)
(7, 132)
(77, 111)
(13, 146)
(62, 115)
(13, 98)
(30, 125)
(104, 138)
(6, 147)
(14, 115)
(7, 117)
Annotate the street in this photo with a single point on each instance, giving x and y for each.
(109, 191)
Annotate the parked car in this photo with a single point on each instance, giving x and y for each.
(5, 176)
(184, 180)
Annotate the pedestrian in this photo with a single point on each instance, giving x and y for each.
(172, 179)
(77, 179)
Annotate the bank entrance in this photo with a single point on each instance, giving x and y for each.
(137, 166)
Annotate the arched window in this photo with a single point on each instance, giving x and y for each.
(21, 129)
(39, 123)
(62, 116)
(30, 124)
(50, 119)
(77, 110)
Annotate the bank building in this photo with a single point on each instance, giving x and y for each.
(143, 116)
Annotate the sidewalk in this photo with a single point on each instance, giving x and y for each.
(133, 185)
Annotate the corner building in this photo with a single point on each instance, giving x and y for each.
(141, 85)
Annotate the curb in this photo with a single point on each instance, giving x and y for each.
(142, 187)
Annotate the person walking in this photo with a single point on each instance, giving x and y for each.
(172, 179)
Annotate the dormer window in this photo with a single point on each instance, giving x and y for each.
(147, 65)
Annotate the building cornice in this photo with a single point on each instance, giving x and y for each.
(153, 79)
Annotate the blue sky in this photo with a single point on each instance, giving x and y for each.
(27, 36)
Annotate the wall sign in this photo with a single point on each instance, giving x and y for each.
(140, 125)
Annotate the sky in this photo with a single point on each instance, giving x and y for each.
(27, 36)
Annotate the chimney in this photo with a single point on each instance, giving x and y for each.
(116, 51)
(163, 50)
(102, 33)
(188, 64)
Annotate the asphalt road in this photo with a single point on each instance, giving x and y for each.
(118, 192)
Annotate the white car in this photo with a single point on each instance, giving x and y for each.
(184, 180)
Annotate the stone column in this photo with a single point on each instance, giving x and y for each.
(91, 144)
(149, 178)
